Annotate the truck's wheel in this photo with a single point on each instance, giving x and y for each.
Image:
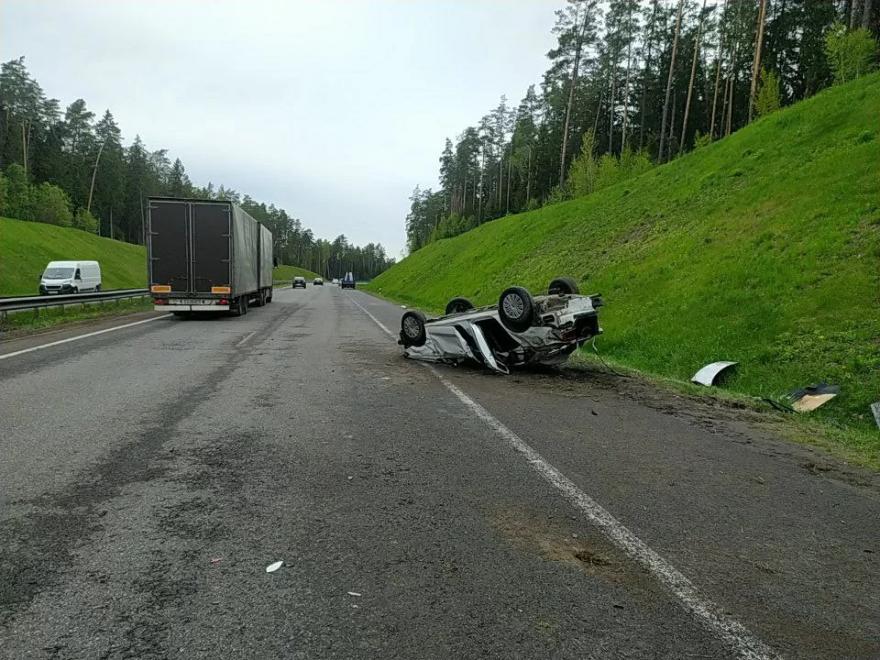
(412, 329)
(260, 300)
(563, 286)
(269, 296)
(516, 309)
(239, 306)
(458, 305)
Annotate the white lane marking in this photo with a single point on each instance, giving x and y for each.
(245, 339)
(78, 337)
(737, 636)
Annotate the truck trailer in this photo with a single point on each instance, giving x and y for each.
(206, 255)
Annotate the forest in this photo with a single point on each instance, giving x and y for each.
(632, 84)
(72, 168)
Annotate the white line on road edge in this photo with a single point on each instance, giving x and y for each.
(78, 337)
(245, 339)
(729, 630)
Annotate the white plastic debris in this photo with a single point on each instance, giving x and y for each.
(354, 593)
(271, 568)
(707, 375)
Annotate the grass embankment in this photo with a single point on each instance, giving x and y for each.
(287, 273)
(26, 248)
(762, 248)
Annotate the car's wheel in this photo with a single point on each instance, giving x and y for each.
(458, 305)
(563, 286)
(98, 289)
(412, 329)
(516, 309)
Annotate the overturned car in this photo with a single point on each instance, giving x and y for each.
(521, 329)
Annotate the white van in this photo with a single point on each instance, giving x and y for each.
(70, 277)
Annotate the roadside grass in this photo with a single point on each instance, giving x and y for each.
(855, 445)
(27, 322)
(26, 248)
(763, 248)
(287, 273)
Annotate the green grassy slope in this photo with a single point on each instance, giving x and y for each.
(289, 272)
(26, 248)
(762, 248)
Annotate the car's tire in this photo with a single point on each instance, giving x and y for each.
(516, 309)
(458, 305)
(563, 286)
(412, 329)
(98, 289)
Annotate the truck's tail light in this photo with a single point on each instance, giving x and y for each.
(161, 301)
(221, 289)
(222, 301)
(160, 288)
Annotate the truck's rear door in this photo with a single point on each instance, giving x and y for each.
(169, 245)
(210, 246)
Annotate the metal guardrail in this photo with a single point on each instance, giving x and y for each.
(18, 304)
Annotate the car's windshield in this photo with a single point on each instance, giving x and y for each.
(57, 273)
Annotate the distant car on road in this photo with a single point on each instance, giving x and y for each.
(70, 277)
(299, 282)
(335, 280)
(519, 330)
(348, 282)
(318, 282)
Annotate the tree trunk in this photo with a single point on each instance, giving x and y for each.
(756, 63)
(718, 58)
(500, 178)
(529, 178)
(611, 72)
(665, 117)
(509, 168)
(24, 148)
(866, 14)
(572, 84)
(853, 14)
(687, 105)
(645, 77)
(94, 174)
(626, 84)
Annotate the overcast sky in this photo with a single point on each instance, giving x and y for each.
(332, 110)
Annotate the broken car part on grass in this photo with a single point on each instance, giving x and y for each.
(811, 397)
(709, 374)
(521, 329)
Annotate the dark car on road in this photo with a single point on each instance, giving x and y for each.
(299, 282)
(348, 282)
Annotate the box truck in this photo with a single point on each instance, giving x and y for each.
(206, 256)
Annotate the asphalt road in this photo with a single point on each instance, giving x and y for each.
(150, 474)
